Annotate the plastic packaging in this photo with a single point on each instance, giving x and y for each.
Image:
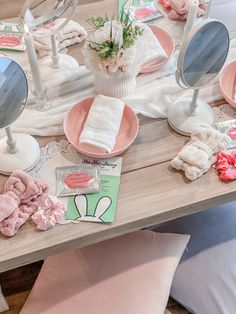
(79, 179)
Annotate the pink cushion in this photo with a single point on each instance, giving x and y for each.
(126, 275)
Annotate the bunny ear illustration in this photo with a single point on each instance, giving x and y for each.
(102, 206)
(81, 204)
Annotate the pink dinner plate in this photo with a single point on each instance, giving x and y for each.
(228, 83)
(167, 44)
(74, 123)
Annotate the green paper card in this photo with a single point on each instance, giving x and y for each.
(125, 4)
(98, 207)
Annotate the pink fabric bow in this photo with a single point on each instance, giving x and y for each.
(23, 196)
(226, 166)
(180, 9)
(166, 4)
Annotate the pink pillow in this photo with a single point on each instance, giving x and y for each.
(129, 274)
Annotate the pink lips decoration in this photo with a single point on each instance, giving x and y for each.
(10, 41)
(232, 133)
(78, 180)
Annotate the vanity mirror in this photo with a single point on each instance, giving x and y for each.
(202, 56)
(21, 151)
(37, 19)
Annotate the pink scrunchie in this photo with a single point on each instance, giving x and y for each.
(23, 197)
(48, 214)
(226, 166)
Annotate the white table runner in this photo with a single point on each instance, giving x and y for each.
(154, 93)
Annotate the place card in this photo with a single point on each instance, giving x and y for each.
(101, 206)
(143, 13)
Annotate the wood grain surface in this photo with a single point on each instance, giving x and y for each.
(150, 192)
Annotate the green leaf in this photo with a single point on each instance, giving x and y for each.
(111, 31)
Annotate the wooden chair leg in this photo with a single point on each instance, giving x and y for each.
(3, 303)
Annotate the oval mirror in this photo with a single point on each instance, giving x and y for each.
(203, 53)
(21, 151)
(202, 56)
(13, 91)
(34, 15)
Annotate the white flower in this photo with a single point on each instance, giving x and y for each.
(103, 34)
(126, 62)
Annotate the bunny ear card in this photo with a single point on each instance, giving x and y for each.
(101, 206)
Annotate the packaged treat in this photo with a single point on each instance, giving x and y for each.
(78, 179)
(11, 36)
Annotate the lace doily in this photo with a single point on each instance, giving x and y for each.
(48, 152)
(224, 112)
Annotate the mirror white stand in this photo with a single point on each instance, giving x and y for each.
(201, 57)
(188, 113)
(208, 9)
(19, 153)
(56, 60)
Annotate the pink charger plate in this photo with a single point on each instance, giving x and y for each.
(228, 83)
(167, 44)
(74, 123)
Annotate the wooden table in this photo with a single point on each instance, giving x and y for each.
(150, 191)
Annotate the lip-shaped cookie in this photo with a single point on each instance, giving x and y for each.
(78, 180)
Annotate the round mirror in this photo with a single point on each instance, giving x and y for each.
(35, 16)
(201, 57)
(13, 91)
(203, 53)
(21, 151)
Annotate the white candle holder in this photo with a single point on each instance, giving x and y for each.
(40, 99)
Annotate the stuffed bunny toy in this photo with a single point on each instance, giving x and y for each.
(197, 156)
(81, 203)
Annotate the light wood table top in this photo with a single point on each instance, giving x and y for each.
(150, 191)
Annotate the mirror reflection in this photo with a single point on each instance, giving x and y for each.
(205, 54)
(13, 91)
(37, 17)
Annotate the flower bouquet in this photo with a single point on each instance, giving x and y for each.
(114, 52)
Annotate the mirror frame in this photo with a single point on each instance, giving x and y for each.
(180, 61)
(43, 20)
(27, 91)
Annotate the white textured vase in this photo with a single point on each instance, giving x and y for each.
(114, 85)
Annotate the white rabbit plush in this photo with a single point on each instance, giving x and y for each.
(81, 204)
(197, 156)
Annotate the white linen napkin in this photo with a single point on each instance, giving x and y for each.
(154, 51)
(103, 123)
(71, 34)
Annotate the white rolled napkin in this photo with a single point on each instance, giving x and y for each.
(103, 123)
(71, 34)
(152, 46)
